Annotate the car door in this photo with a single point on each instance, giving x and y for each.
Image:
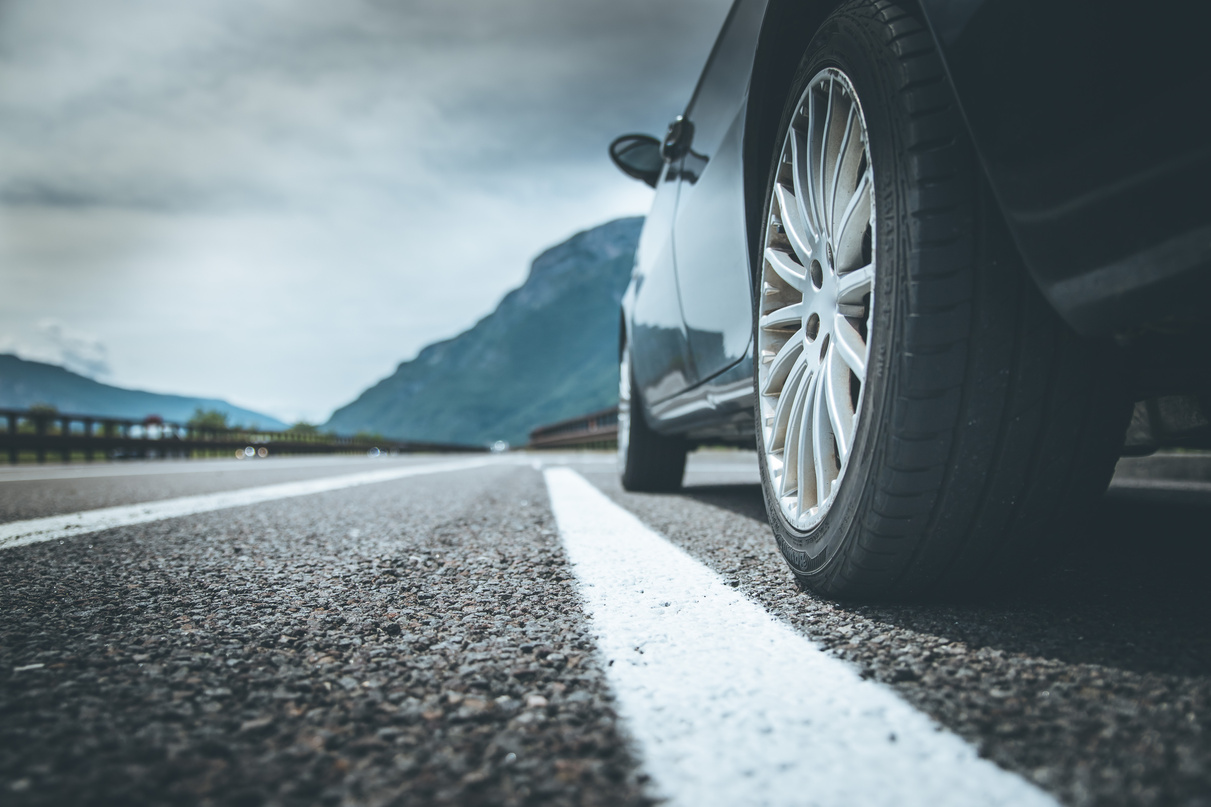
(709, 237)
(659, 350)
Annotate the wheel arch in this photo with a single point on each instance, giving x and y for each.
(779, 48)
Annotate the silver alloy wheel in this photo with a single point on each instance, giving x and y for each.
(624, 408)
(817, 282)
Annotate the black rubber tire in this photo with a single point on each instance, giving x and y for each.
(984, 420)
(647, 461)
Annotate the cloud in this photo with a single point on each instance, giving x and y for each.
(325, 186)
(78, 352)
(164, 107)
(55, 343)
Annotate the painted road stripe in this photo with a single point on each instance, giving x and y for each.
(20, 533)
(163, 467)
(730, 706)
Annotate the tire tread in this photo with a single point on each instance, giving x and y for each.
(654, 462)
(1000, 421)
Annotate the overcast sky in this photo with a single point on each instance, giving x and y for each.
(277, 201)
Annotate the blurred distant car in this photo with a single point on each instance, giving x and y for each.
(926, 255)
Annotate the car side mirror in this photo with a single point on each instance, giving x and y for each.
(638, 156)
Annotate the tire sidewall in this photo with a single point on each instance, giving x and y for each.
(624, 440)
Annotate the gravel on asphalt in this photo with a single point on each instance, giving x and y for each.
(414, 642)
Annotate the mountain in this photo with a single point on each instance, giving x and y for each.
(549, 351)
(23, 383)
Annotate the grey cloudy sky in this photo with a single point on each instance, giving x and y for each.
(277, 201)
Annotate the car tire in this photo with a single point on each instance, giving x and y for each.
(647, 461)
(977, 420)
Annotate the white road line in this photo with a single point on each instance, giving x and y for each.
(1182, 485)
(104, 469)
(751, 470)
(20, 533)
(730, 706)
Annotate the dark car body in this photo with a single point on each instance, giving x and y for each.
(1091, 123)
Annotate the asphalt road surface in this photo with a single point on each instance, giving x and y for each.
(500, 630)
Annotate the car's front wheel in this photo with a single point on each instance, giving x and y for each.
(923, 416)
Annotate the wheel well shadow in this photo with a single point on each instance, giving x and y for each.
(1128, 591)
(743, 500)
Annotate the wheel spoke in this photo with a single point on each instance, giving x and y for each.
(836, 395)
(849, 346)
(786, 399)
(839, 162)
(783, 317)
(781, 364)
(795, 425)
(809, 172)
(822, 445)
(848, 236)
(792, 223)
(791, 273)
(853, 286)
(828, 116)
(803, 176)
(805, 467)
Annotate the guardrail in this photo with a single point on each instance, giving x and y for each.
(34, 434)
(594, 430)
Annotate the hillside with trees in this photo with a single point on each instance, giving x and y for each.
(549, 351)
(25, 383)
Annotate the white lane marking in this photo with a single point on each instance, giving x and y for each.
(724, 469)
(730, 706)
(20, 533)
(105, 469)
(574, 458)
(1177, 485)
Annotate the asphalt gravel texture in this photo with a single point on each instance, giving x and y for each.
(421, 642)
(417, 642)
